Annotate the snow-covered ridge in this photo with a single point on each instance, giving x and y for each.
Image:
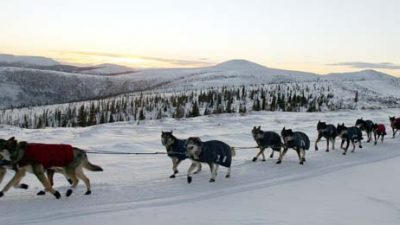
(24, 86)
(27, 60)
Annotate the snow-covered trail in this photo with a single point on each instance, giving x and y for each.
(132, 184)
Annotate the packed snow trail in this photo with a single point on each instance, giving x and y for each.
(132, 183)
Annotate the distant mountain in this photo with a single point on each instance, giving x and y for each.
(57, 83)
(360, 75)
(108, 69)
(27, 60)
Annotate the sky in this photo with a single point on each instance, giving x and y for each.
(308, 35)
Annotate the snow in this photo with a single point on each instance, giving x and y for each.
(108, 69)
(230, 73)
(360, 188)
(27, 60)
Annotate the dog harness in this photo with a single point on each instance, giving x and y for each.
(49, 155)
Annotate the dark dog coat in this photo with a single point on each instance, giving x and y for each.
(216, 152)
(353, 133)
(300, 140)
(270, 140)
(397, 122)
(178, 149)
(49, 155)
(329, 131)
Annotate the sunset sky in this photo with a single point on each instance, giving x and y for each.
(308, 35)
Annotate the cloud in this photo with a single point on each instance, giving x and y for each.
(171, 61)
(366, 65)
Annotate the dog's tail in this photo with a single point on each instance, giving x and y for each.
(90, 166)
(233, 151)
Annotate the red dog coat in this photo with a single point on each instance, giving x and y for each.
(49, 155)
(381, 129)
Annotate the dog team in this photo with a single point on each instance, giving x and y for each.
(43, 160)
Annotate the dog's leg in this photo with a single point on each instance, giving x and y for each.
(258, 154)
(316, 142)
(375, 141)
(71, 173)
(359, 143)
(85, 179)
(327, 144)
(347, 146)
(263, 154)
(228, 174)
(173, 168)
(303, 155)
(21, 186)
(214, 172)
(383, 136)
(198, 169)
(333, 143)
(341, 145)
(354, 145)
(299, 154)
(190, 171)
(282, 155)
(18, 175)
(3, 172)
(50, 176)
(39, 171)
(272, 153)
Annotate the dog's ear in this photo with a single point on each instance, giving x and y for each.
(11, 139)
(259, 127)
(171, 131)
(162, 132)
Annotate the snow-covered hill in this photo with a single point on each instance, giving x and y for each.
(329, 189)
(47, 85)
(108, 69)
(27, 60)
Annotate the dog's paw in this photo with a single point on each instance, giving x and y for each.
(212, 180)
(227, 176)
(57, 195)
(264, 160)
(68, 193)
(1, 194)
(279, 162)
(24, 186)
(69, 180)
(172, 176)
(189, 180)
(41, 193)
(88, 192)
(344, 153)
(254, 159)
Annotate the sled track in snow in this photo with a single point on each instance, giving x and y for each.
(246, 176)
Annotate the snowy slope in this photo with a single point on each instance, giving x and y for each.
(230, 73)
(108, 69)
(329, 189)
(27, 60)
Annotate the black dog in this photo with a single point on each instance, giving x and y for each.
(395, 124)
(351, 134)
(176, 150)
(366, 125)
(266, 139)
(299, 141)
(327, 131)
(213, 153)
